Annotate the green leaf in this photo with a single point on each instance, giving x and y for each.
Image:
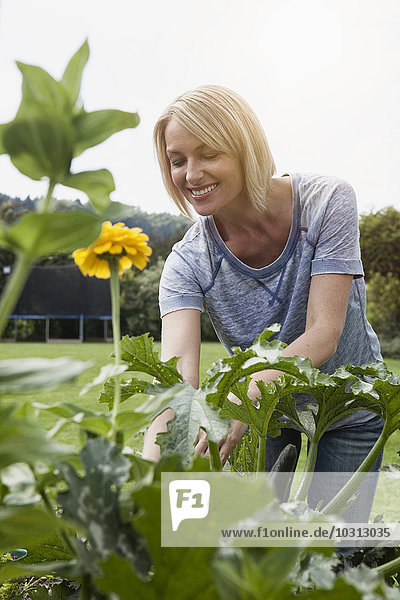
(192, 411)
(262, 355)
(40, 147)
(176, 570)
(73, 72)
(19, 569)
(95, 127)
(97, 423)
(20, 526)
(128, 389)
(23, 442)
(110, 370)
(98, 186)
(29, 374)
(59, 590)
(44, 234)
(367, 583)
(132, 422)
(40, 88)
(120, 580)
(257, 416)
(92, 502)
(243, 573)
(244, 455)
(382, 395)
(315, 569)
(3, 127)
(176, 577)
(116, 211)
(51, 549)
(140, 355)
(21, 485)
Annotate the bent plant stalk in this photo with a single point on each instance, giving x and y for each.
(305, 483)
(304, 486)
(263, 437)
(338, 504)
(389, 568)
(215, 459)
(19, 274)
(14, 288)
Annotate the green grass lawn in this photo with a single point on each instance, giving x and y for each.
(99, 354)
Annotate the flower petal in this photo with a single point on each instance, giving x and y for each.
(101, 269)
(116, 249)
(102, 248)
(140, 261)
(124, 264)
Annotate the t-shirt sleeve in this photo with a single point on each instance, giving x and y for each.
(178, 286)
(336, 239)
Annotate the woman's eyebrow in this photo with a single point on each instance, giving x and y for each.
(199, 147)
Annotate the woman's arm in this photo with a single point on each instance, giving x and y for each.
(180, 336)
(326, 316)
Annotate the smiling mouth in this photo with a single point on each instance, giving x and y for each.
(204, 191)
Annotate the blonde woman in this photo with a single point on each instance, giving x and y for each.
(264, 249)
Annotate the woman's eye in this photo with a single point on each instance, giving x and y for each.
(177, 163)
(211, 156)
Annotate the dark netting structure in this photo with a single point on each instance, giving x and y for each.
(62, 292)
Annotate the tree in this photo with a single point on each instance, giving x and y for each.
(139, 304)
(6, 256)
(380, 242)
(139, 301)
(384, 303)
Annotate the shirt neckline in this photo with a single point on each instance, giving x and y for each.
(277, 264)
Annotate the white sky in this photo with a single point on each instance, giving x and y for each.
(323, 77)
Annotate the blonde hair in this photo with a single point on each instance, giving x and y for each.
(224, 121)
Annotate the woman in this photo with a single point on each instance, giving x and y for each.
(264, 250)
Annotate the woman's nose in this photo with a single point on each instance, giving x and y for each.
(194, 172)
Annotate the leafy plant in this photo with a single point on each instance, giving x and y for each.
(50, 129)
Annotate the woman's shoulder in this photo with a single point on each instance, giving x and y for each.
(325, 199)
(322, 185)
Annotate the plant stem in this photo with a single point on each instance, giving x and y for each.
(47, 201)
(14, 287)
(262, 438)
(86, 588)
(115, 304)
(215, 459)
(19, 275)
(338, 504)
(302, 492)
(261, 453)
(389, 568)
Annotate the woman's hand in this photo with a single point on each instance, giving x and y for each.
(226, 445)
(234, 435)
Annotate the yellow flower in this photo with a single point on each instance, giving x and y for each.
(115, 241)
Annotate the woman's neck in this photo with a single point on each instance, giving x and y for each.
(278, 211)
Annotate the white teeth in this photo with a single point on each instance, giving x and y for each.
(204, 191)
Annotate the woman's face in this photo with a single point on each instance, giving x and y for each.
(211, 181)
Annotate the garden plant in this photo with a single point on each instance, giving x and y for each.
(97, 508)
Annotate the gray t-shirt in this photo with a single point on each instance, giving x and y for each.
(243, 301)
